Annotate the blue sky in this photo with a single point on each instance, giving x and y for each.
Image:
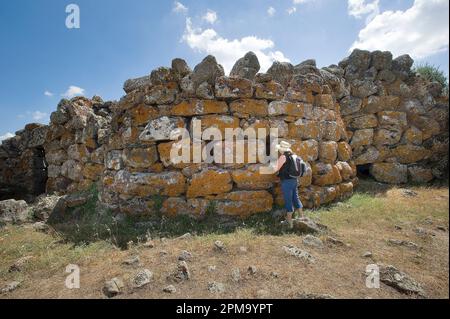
(41, 60)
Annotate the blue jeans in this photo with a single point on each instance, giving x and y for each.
(289, 187)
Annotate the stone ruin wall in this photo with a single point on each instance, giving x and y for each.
(397, 122)
(370, 113)
(22, 164)
(137, 162)
(74, 146)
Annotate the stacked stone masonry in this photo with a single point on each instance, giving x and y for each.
(370, 112)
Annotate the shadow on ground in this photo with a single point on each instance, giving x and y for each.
(90, 222)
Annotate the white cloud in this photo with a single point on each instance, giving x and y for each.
(229, 51)
(291, 10)
(38, 115)
(271, 11)
(420, 31)
(6, 136)
(48, 93)
(210, 16)
(178, 7)
(301, 1)
(364, 8)
(73, 91)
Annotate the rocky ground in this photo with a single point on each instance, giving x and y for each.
(403, 231)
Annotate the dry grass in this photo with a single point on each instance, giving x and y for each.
(365, 222)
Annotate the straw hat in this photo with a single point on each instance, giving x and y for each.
(283, 147)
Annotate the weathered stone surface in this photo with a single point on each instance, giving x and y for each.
(12, 211)
(134, 84)
(207, 71)
(362, 138)
(350, 105)
(386, 137)
(298, 110)
(244, 203)
(413, 136)
(364, 122)
(270, 90)
(251, 178)
(221, 122)
(377, 104)
(147, 184)
(140, 157)
(209, 182)
(391, 276)
(419, 174)
(370, 155)
(381, 60)
(344, 151)
(328, 152)
(304, 129)
(249, 107)
(246, 67)
(199, 107)
(408, 154)
(174, 206)
(308, 150)
(228, 87)
(180, 67)
(325, 174)
(281, 72)
(392, 173)
(161, 129)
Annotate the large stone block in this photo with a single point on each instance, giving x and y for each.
(228, 87)
(209, 182)
(308, 150)
(251, 178)
(176, 206)
(408, 154)
(199, 107)
(220, 122)
(297, 110)
(344, 151)
(161, 129)
(249, 107)
(270, 90)
(244, 203)
(161, 94)
(140, 157)
(362, 138)
(419, 174)
(305, 129)
(328, 152)
(391, 173)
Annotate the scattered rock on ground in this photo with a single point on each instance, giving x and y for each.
(367, 254)
(14, 211)
(334, 241)
(405, 243)
(314, 296)
(441, 228)
(306, 225)
(44, 206)
(422, 232)
(397, 279)
(243, 249)
(185, 255)
(185, 236)
(252, 270)
(181, 273)
(274, 274)
(10, 287)
(216, 287)
(40, 226)
(211, 268)
(170, 289)
(142, 278)
(409, 193)
(236, 275)
(132, 261)
(297, 252)
(218, 245)
(113, 287)
(312, 241)
(20, 263)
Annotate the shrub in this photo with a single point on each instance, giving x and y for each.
(433, 74)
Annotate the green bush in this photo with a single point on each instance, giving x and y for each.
(433, 74)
